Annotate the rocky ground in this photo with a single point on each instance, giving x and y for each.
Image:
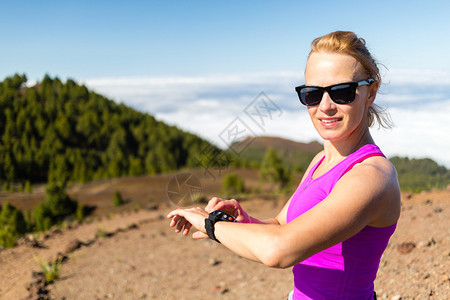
(135, 255)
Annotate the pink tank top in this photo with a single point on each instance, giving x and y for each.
(346, 270)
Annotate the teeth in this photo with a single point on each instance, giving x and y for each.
(330, 121)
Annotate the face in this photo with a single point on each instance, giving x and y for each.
(338, 121)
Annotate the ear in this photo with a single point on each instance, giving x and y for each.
(373, 89)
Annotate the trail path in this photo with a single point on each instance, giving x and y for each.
(145, 259)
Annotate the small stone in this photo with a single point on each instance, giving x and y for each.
(219, 289)
(428, 202)
(152, 206)
(406, 247)
(426, 276)
(431, 242)
(437, 210)
(421, 244)
(214, 262)
(132, 226)
(396, 297)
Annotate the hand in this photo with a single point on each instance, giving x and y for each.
(231, 207)
(184, 219)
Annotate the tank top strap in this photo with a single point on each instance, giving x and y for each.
(356, 157)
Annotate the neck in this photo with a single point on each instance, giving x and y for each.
(339, 149)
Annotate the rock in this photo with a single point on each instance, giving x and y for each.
(445, 278)
(152, 206)
(54, 231)
(72, 246)
(406, 247)
(219, 289)
(437, 210)
(132, 226)
(32, 242)
(37, 288)
(396, 297)
(431, 242)
(214, 262)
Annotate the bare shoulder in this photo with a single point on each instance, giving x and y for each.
(379, 169)
(378, 178)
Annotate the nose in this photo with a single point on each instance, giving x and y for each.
(326, 104)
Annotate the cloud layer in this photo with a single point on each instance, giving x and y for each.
(213, 106)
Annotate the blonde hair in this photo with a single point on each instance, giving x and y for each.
(347, 42)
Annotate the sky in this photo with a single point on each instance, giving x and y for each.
(205, 66)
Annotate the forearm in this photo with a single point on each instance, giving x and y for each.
(267, 221)
(255, 242)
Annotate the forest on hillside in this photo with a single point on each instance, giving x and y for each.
(61, 131)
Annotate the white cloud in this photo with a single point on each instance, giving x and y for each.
(411, 77)
(419, 103)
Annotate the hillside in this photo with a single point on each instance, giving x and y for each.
(295, 155)
(415, 174)
(62, 131)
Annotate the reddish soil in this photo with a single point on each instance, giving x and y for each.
(142, 258)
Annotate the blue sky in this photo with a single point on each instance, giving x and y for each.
(199, 64)
(85, 39)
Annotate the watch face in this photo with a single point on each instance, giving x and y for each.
(221, 216)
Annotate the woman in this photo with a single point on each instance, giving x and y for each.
(337, 224)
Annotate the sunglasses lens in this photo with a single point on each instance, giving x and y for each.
(310, 95)
(343, 93)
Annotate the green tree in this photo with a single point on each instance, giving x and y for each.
(56, 206)
(233, 184)
(272, 169)
(12, 225)
(117, 200)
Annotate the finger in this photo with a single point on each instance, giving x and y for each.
(180, 225)
(228, 206)
(199, 235)
(175, 220)
(174, 213)
(213, 202)
(187, 227)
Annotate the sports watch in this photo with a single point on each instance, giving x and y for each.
(216, 216)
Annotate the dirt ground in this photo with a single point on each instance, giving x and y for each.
(136, 255)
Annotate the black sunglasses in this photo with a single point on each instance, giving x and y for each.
(341, 93)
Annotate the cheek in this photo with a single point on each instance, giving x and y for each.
(311, 110)
(358, 113)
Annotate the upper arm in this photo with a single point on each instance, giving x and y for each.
(360, 198)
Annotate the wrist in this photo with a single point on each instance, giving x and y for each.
(213, 218)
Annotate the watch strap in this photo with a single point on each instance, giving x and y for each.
(209, 226)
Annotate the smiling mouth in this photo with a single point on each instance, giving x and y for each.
(330, 120)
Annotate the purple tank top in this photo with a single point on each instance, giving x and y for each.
(346, 270)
